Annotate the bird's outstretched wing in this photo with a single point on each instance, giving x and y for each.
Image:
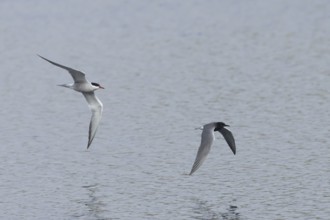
(229, 139)
(78, 77)
(96, 107)
(204, 148)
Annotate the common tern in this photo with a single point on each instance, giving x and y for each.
(207, 140)
(81, 84)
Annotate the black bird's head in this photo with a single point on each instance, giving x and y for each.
(219, 126)
(97, 85)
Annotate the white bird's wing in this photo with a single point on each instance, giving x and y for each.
(78, 77)
(96, 107)
(204, 148)
(229, 139)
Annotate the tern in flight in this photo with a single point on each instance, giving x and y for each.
(207, 140)
(81, 84)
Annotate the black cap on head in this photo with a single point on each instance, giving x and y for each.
(220, 125)
(97, 85)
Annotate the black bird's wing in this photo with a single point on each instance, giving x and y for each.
(229, 139)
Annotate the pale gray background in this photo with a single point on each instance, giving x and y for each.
(168, 66)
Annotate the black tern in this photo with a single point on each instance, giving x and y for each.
(207, 140)
(81, 84)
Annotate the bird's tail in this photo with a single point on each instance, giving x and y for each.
(66, 85)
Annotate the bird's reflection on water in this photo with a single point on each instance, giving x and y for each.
(204, 211)
(95, 207)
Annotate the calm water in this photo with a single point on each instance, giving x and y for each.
(168, 67)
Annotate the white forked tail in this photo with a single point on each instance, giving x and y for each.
(70, 86)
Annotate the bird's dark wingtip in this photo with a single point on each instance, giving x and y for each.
(42, 57)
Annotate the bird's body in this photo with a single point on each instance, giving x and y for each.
(207, 141)
(80, 87)
(81, 84)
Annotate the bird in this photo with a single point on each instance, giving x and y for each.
(81, 84)
(207, 140)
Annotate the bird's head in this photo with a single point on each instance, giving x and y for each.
(219, 126)
(97, 85)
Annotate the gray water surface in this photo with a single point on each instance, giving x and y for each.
(262, 67)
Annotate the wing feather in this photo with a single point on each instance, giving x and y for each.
(229, 139)
(78, 77)
(204, 148)
(96, 107)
